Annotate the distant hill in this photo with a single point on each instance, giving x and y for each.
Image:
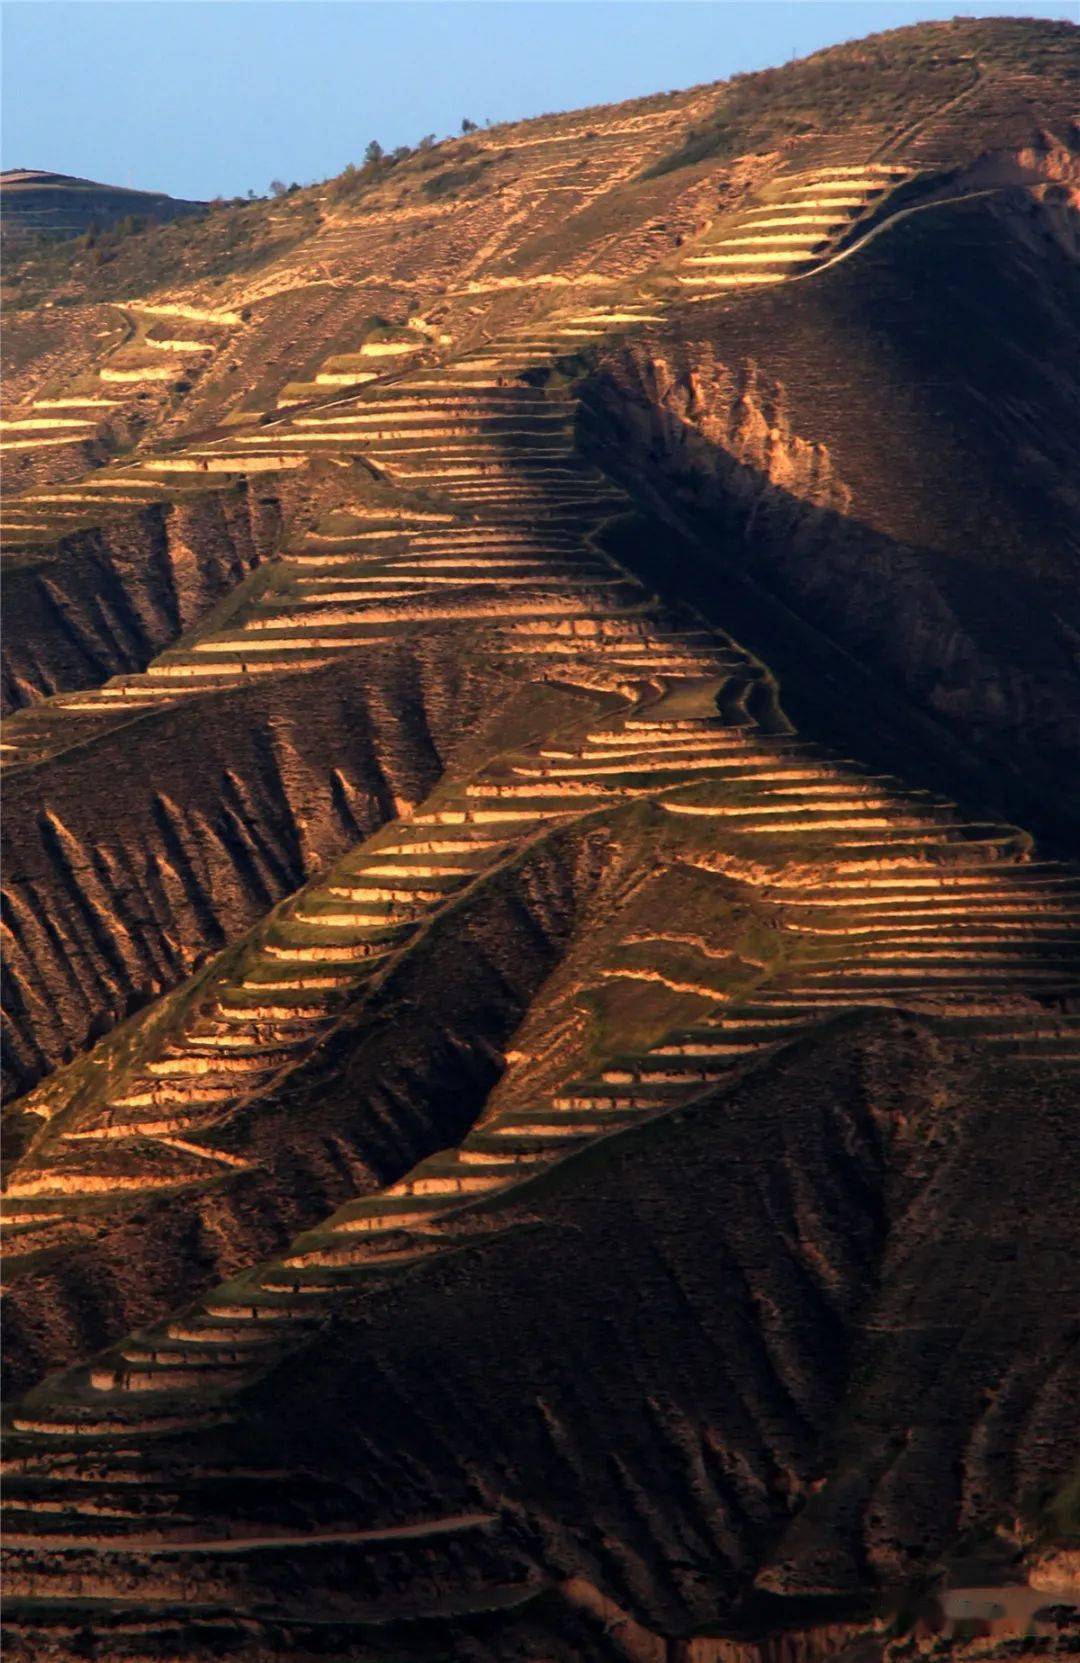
(33, 202)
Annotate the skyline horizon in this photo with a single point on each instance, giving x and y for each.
(234, 142)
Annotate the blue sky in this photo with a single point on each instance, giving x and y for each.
(201, 99)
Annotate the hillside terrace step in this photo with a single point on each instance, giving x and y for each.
(337, 1258)
(735, 1038)
(213, 1060)
(976, 905)
(375, 904)
(394, 404)
(325, 912)
(459, 1181)
(942, 926)
(201, 1042)
(131, 1125)
(614, 747)
(161, 1094)
(735, 280)
(475, 427)
(445, 468)
(386, 1211)
(1064, 1044)
(538, 809)
(559, 1126)
(504, 543)
(478, 1152)
(466, 379)
(448, 876)
(258, 1308)
(42, 440)
(950, 840)
(758, 768)
(353, 627)
(644, 1095)
(641, 750)
(152, 1378)
(627, 625)
(661, 726)
(463, 534)
(180, 670)
(961, 973)
(467, 855)
(519, 447)
(792, 221)
(496, 540)
(544, 503)
(330, 952)
(856, 170)
(842, 199)
(95, 1426)
(810, 242)
(753, 821)
(415, 573)
(980, 950)
(777, 257)
(59, 1511)
(516, 790)
(917, 880)
(235, 1008)
(206, 1329)
(419, 589)
(525, 487)
(686, 1070)
(355, 910)
(234, 462)
(87, 1181)
(474, 466)
(202, 1358)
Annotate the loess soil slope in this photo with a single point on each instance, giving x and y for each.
(540, 894)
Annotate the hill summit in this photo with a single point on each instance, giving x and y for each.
(35, 203)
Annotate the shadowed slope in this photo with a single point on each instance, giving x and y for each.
(914, 513)
(754, 1282)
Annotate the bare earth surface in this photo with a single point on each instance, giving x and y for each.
(541, 962)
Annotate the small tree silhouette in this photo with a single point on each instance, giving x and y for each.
(468, 126)
(374, 153)
(278, 187)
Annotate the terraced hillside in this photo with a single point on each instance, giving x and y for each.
(542, 960)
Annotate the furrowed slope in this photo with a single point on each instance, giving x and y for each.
(756, 1281)
(138, 854)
